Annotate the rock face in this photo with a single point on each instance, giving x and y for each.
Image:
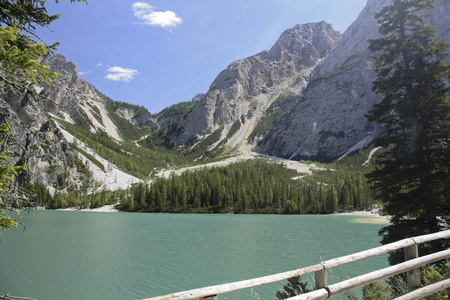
(320, 80)
(36, 141)
(331, 75)
(36, 124)
(329, 119)
(251, 84)
(75, 97)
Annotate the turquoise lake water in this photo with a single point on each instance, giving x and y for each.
(91, 255)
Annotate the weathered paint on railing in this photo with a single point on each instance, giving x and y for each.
(322, 289)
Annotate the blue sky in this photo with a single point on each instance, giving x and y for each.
(156, 53)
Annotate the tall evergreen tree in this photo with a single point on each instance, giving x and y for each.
(412, 174)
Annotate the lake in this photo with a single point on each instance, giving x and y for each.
(92, 255)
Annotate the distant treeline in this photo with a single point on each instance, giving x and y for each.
(249, 187)
(255, 186)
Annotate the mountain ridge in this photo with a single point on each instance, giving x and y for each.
(257, 79)
(305, 98)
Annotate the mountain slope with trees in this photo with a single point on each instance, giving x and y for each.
(74, 139)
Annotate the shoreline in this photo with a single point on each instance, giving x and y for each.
(366, 216)
(106, 208)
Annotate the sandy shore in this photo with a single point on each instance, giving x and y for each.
(367, 217)
(106, 208)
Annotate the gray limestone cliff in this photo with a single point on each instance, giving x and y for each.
(306, 97)
(330, 77)
(252, 84)
(37, 124)
(329, 120)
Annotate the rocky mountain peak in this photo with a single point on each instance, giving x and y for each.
(305, 97)
(329, 121)
(59, 63)
(300, 39)
(247, 87)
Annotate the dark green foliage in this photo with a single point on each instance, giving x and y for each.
(126, 155)
(21, 49)
(267, 123)
(240, 188)
(90, 157)
(39, 191)
(293, 288)
(398, 286)
(345, 181)
(412, 174)
(7, 175)
(431, 274)
(256, 187)
(273, 115)
(234, 128)
(377, 291)
(128, 131)
(77, 198)
(114, 105)
(21, 52)
(176, 111)
(202, 146)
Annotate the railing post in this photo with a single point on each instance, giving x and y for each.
(413, 276)
(321, 279)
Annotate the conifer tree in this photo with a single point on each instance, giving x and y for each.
(332, 200)
(412, 174)
(8, 196)
(21, 50)
(293, 288)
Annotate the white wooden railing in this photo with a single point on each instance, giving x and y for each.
(324, 291)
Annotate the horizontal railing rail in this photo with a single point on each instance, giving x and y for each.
(356, 282)
(323, 291)
(426, 290)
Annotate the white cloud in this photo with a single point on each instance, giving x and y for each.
(147, 16)
(121, 74)
(141, 6)
(99, 64)
(81, 73)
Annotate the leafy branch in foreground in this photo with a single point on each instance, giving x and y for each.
(10, 198)
(20, 62)
(21, 49)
